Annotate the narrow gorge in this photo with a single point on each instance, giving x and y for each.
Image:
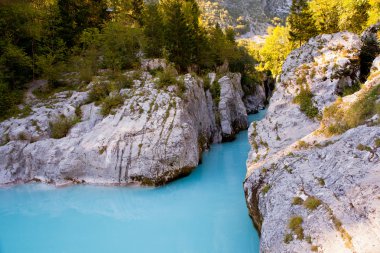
(200, 126)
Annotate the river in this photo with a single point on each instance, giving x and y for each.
(202, 213)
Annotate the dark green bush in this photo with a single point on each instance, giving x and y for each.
(304, 99)
(166, 78)
(60, 127)
(9, 99)
(295, 225)
(215, 92)
(99, 91)
(297, 201)
(109, 104)
(312, 203)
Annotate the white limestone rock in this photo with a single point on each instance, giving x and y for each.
(232, 112)
(289, 158)
(155, 137)
(255, 101)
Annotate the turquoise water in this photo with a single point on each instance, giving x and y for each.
(204, 212)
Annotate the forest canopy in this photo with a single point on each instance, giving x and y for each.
(308, 19)
(48, 38)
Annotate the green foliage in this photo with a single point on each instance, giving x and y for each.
(60, 127)
(348, 90)
(301, 22)
(288, 238)
(373, 12)
(312, 203)
(9, 99)
(304, 99)
(167, 77)
(265, 189)
(354, 15)
(377, 143)
(335, 15)
(295, 225)
(15, 65)
(215, 92)
(153, 31)
(110, 103)
(340, 117)
(50, 67)
(181, 30)
(120, 45)
(137, 10)
(297, 201)
(362, 147)
(77, 15)
(99, 91)
(275, 50)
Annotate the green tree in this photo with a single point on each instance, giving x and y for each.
(152, 28)
(179, 37)
(373, 12)
(120, 45)
(275, 50)
(326, 15)
(354, 15)
(301, 22)
(77, 15)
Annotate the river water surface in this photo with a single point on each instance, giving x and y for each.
(202, 213)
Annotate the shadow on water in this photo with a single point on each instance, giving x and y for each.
(204, 212)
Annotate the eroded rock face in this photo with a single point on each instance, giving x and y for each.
(153, 138)
(232, 112)
(258, 13)
(330, 186)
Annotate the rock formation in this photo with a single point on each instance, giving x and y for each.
(307, 191)
(156, 136)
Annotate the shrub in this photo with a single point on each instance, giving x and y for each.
(265, 189)
(295, 225)
(339, 118)
(61, 126)
(206, 83)
(9, 99)
(348, 90)
(215, 92)
(314, 248)
(110, 103)
(303, 145)
(304, 99)
(99, 91)
(121, 81)
(362, 147)
(377, 143)
(167, 77)
(297, 201)
(288, 238)
(312, 203)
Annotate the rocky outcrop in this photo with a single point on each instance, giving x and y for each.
(258, 13)
(255, 101)
(307, 192)
(154, 137)
(232, 112)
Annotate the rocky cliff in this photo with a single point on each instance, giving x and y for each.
(155, 136)
(309, 190)
(257, 13)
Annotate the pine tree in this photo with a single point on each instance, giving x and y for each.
(302, 25)
(77, 15)
(181, 32)
(152, 28)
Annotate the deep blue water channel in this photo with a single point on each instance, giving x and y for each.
(202, 213)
